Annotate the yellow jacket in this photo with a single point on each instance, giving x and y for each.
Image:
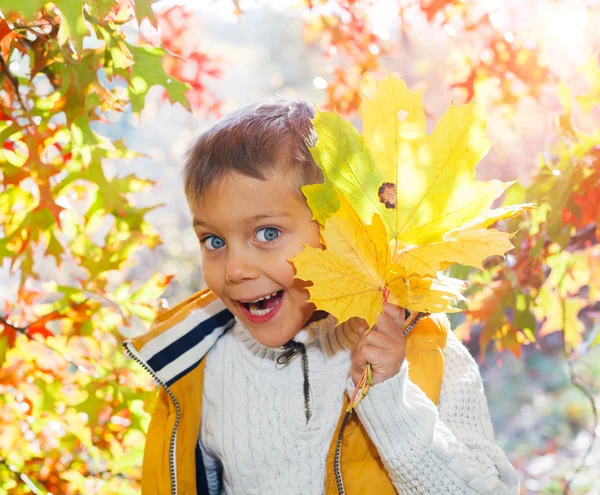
(173, 353)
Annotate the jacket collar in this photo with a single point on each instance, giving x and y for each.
(181, 337)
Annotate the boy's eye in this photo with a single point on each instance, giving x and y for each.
(212, 242)
(267, 234)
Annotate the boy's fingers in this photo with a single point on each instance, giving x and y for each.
(390, 327)
(367, 354)
(380, 340)
(362, 329)
(395, 312)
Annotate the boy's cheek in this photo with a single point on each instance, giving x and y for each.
(211, 280)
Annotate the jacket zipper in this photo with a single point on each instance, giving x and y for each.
(133, 354)
(338, 446)
(338, 455)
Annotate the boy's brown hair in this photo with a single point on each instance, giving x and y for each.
(254, 140)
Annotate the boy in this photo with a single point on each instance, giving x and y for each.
(255, 381)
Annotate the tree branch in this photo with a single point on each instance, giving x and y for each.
(15, 82)
(589, 395)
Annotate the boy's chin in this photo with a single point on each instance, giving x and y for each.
(273, 341)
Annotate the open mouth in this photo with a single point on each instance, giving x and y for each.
(263, 305)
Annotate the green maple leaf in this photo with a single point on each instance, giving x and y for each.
(72, 24)
(54, 248)
(26, 7)
(100, 8)
(322, 200)
(147, 71)
(143, 8)
(51, 393)
(342, 155)
(93, 404)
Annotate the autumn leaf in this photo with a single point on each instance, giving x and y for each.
(424, 294)
(349, 276)
(423, 186)
(349, 166)
(465, 246)
(322, 199)
(352, 274)
(433, 176)
(418, 189)
(415, 194)
(147, 72)
(7, 35)
(72, 24)
(4, 346)
(143, 9)
(561, 315)
(487, 309)
(27, 7)
(490, 217)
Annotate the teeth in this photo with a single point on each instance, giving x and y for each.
(252, 307)
(260, 312)
(261, 298)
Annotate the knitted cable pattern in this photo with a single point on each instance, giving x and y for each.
(254, 424)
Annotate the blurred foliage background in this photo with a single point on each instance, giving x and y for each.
(99, 100)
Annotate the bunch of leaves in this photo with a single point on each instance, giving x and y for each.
(71, 406)
(549, 285)
(550, 281)
(399, 205)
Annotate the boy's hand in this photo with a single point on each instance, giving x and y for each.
(384, 347)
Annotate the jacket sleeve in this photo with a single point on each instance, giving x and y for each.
(446, 449)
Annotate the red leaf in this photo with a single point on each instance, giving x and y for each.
(6, 37)
(39, 327)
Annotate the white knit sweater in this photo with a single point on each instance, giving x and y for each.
(255, 438)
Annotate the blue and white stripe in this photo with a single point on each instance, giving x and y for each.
(179, 349)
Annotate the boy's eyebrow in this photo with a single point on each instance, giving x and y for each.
(252, 219)
(262, 216)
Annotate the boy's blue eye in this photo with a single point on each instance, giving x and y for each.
(267, 234)
(212, 242)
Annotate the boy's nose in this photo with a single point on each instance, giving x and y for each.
(238, 270)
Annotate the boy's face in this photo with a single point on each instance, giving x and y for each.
(248, 230)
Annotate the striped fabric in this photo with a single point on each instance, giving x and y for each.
(180, 348)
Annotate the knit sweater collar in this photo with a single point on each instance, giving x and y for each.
(324, 334)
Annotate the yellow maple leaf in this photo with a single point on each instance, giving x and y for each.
(465, 246)
(424, 294)
(423, 186)
(352, 274)
(432, 177)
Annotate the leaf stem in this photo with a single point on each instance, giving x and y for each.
(366, 379)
